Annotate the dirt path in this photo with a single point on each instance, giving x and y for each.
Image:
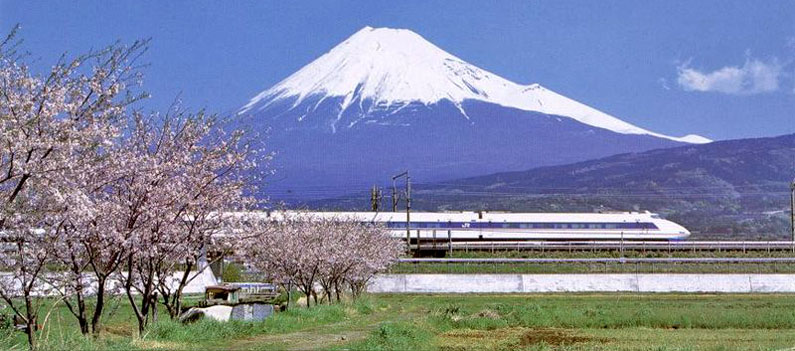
(315, 338)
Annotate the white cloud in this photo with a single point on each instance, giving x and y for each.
(664, 83)
(753, 77)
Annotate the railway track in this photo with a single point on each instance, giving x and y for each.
(628, 260)
(572, 246)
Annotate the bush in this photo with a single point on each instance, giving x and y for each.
(232, 273)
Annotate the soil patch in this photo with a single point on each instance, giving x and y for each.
(487, 313)
(553, 337)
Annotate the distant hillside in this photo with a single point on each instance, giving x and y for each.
(725, 190)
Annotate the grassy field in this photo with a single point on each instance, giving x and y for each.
(468, 322)
(601, 267)
(614, 267)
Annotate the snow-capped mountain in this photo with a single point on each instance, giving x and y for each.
(387, 99)
(394, 67)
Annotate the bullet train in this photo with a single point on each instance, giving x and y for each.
(507, 226)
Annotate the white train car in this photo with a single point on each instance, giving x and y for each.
(506, 226)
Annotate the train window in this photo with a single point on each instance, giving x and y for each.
(594, 226)
(611, 226)
(648, 226)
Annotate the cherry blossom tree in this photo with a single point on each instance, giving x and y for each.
(104, 193)
(185, 173)
(287, 251)
(216, 180)
(304, 250)
(262, 245)
(51, 129)
(374, 251)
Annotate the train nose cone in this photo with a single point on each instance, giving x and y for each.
(683, 231)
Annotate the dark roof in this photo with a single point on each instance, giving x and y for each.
(221, 288)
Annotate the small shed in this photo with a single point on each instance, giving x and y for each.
(221, 294)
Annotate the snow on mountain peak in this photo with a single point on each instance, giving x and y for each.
(397, 66)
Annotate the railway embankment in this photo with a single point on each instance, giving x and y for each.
(546, 283)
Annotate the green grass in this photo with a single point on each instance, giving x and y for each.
(466, 322)
(209, 333)
(612, 267)
(543, 268)
(403, 335)
(60, 330)
(596, 322)
(618, 311)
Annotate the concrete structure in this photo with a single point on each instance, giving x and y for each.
(539, 283)
(252, 311)
(223, 313)
(220, 313)
(196, 283)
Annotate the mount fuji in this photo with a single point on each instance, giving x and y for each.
(386, 100)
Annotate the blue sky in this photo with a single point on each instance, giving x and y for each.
(717, 68)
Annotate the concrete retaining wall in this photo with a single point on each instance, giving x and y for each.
(196, 283)
(534, 283)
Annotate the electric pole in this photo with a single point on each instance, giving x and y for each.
(408, 205)
(408, 210)
(375, 198)
(792, 210)
(395, 195)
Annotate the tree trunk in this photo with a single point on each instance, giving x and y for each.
(326, 292)
(96, 318)
(308, 293)
(81, 313)
(173, 302)
(153, 304)
(140, 313)
(289, 294)
(30, 322)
